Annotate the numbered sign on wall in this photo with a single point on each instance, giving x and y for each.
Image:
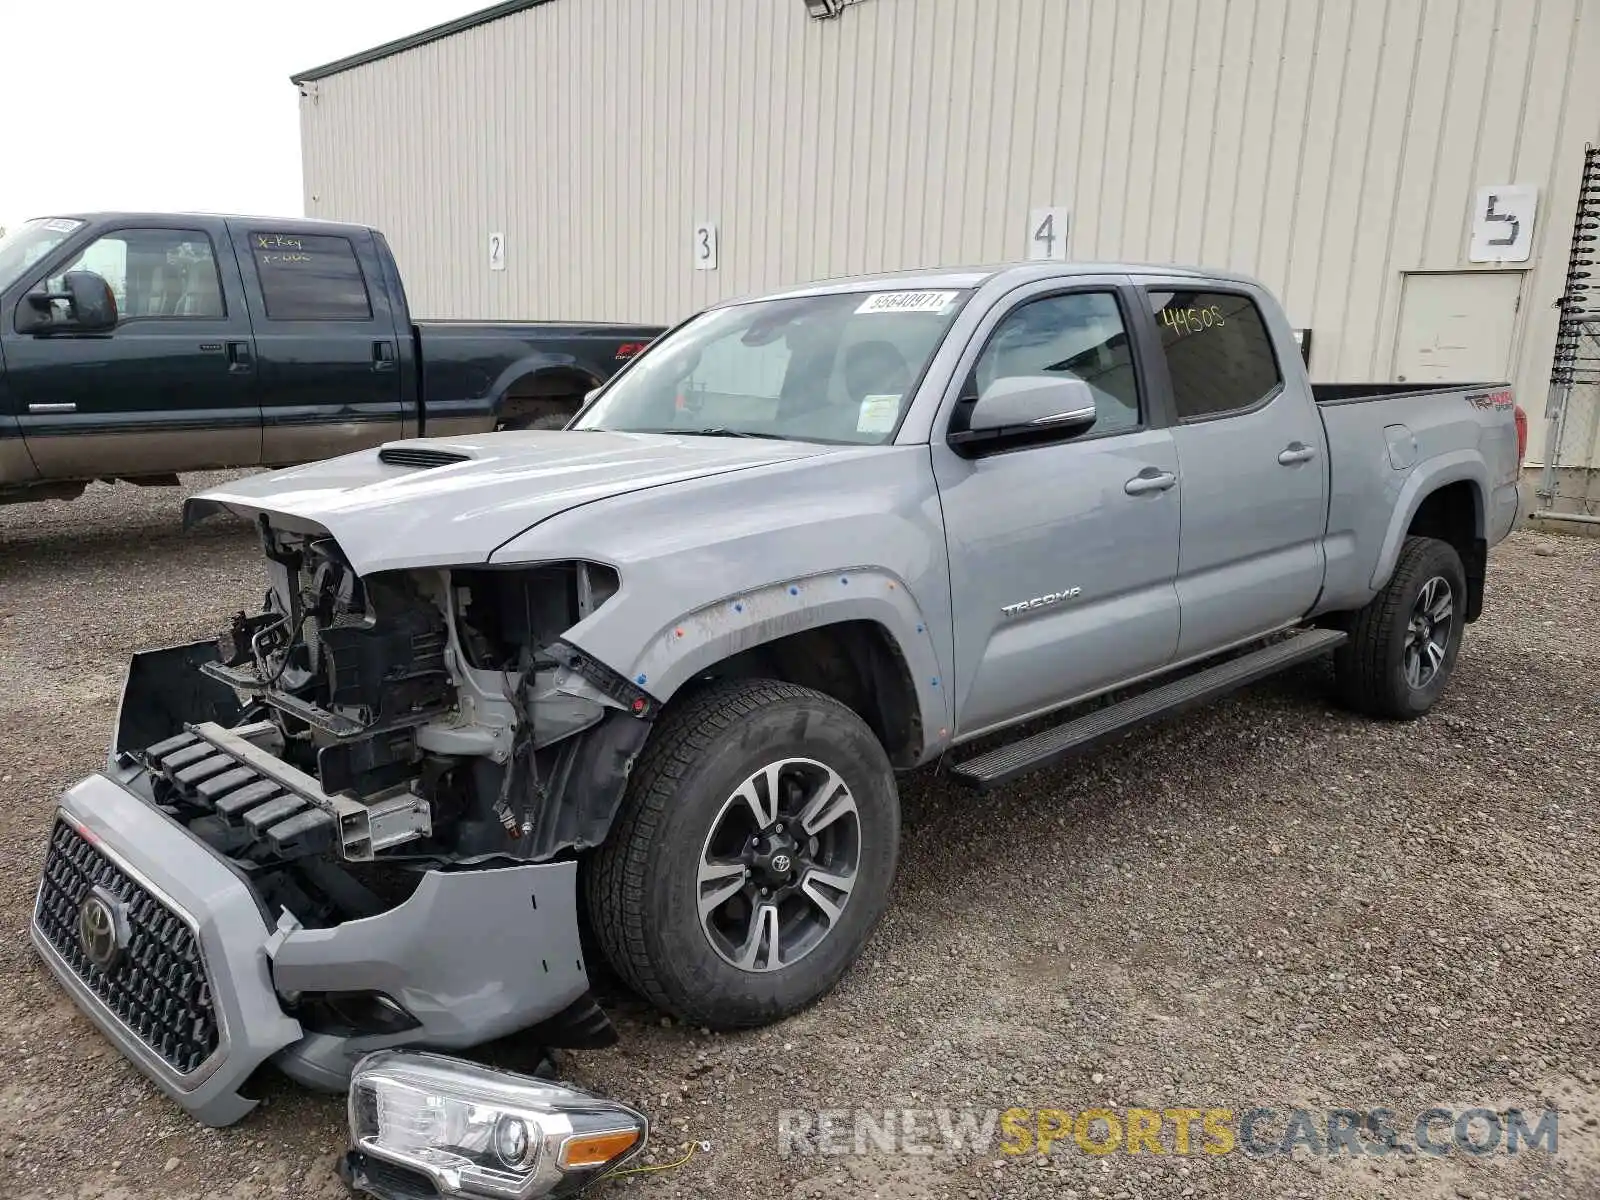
(1502, 223)
(705, 246)
(1047, 234)
(497, 252)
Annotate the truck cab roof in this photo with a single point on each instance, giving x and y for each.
(288, 224)
(1010, 274)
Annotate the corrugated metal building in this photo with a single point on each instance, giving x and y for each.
(1337, 149)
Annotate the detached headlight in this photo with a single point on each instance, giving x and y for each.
(475, 1131)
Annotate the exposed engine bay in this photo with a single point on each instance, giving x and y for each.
(362, 730)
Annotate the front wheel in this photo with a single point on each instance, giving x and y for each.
(752, 857)
(1403, 644)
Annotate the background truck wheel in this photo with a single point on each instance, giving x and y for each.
(1403, 644)
(547, 421)
(752, 857)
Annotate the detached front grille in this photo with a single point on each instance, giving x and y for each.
(154, 982)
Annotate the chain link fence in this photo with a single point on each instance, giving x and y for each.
(1569, 488)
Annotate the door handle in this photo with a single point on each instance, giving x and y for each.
(241, 361)
(1151, 479)
(1296, 452)
(62, 407)
(383, 356)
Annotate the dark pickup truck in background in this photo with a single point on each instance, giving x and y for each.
(136, 346)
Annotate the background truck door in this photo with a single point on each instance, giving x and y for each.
(326, 338)
(1252, 454)
(1087, 526)
(171, 388)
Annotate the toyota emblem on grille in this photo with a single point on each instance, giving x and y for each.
(101, 929)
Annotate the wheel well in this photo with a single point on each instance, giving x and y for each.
(557, 391)
(858, 663)
(1451, 515)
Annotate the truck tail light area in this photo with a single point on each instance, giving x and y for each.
(1522, 436)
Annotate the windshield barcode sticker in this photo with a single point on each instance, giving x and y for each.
(901, 302)
(878, 414)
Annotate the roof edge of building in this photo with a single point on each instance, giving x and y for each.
(434, 33)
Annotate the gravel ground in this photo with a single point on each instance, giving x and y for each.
(1269, 902)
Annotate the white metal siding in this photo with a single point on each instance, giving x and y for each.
(1326, 146)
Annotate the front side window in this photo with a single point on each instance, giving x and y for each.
(1219, 354)
(832, 368)
(1075, 336)
(306, 277)
(29, 242)
(153, 273)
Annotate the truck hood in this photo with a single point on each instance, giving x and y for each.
(387, 511)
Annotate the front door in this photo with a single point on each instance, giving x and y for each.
(327, 340)
(1062, 553)
(1254, 463)
(169, 389)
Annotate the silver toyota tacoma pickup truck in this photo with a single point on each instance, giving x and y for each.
(653, 676)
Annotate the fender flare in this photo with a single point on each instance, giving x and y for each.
(1433, 474)
(534, 366)
(696, 641)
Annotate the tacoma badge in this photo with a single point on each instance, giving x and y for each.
(1022, 606)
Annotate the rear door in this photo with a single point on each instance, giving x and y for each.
(171, 388)
(1253, 460)
(326, 340)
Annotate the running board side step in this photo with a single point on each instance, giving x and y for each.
(1050, 746)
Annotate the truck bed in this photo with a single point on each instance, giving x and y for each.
(1396, 440)
(467, 366)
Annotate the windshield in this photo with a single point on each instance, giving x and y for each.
(835, 368)
(28, 243)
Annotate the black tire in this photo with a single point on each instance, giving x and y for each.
(1370, 669)
(642, 888)
(547, 421)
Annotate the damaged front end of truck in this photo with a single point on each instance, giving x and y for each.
(349, 824)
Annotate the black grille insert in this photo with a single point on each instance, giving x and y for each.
(418, 456)
(157, 985)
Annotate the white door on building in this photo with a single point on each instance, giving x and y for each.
(1457, 326)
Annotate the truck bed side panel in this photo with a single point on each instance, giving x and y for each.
(1388, 455)
(468, 366)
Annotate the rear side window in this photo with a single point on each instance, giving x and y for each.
(310, 278)
(1218, 353)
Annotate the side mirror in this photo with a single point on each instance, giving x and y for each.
(91, 308)
(1024, 406)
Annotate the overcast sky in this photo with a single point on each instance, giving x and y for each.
(171, 104)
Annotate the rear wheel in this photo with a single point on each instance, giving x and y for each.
(752, 857)
(538, 412)
(548, 421)
(1403, 644)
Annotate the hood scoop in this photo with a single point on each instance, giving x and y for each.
(420, 456)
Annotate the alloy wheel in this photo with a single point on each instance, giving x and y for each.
(778, 866)
(1428, 633)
